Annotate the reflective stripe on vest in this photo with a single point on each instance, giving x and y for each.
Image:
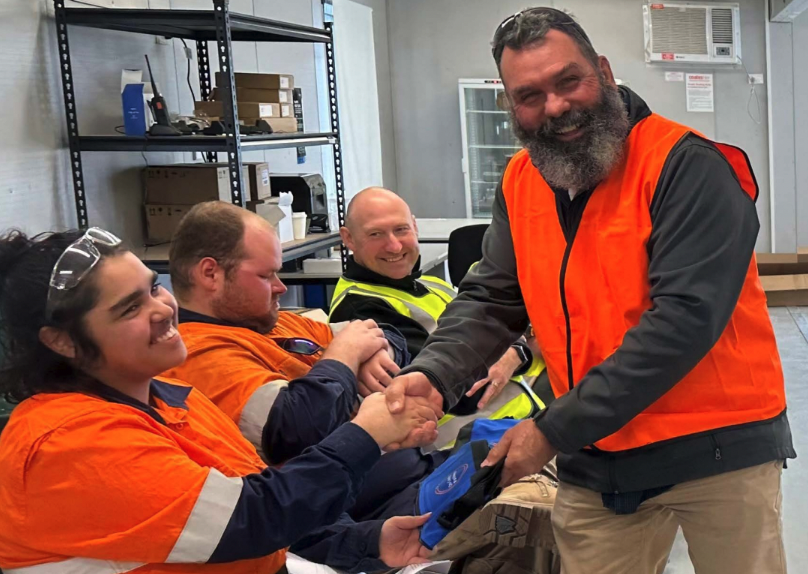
(597, 288)
(425, 310)
(517, 400)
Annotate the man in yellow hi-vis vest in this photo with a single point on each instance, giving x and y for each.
(383, 282)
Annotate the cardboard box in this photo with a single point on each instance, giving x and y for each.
(279, 125)
(162, 221)
(280, 216)
(781, 263)
(785, 290)
(135, 97)
(260, 81)
(255, 95)
(259, 181)
(215, 110)
(189, 184)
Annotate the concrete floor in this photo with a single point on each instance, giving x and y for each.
(791, 329)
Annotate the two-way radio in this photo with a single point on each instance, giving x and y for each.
(163, 126)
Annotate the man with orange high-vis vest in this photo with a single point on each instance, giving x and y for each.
(627, 240)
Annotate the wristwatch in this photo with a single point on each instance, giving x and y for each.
(525, 356)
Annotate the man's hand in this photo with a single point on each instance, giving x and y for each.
(498, 376)
(414, 385)
(399, 543)
(527, 451)
(389, 429)
(356, 343)
(376, 374)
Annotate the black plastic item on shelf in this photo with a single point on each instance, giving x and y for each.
(260, 128)
(157, 104)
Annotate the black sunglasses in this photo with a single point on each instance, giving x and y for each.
(298, 345)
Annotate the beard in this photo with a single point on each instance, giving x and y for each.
(234, 308)
(584, 162)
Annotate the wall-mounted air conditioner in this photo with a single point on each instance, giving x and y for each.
(684, 32)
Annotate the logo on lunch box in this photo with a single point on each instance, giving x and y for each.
(451, 481)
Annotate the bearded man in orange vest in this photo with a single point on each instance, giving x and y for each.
(627, 241)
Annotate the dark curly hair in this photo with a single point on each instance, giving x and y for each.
(28, 367)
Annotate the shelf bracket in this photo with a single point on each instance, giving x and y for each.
(334, 107)
(221, 9)
(68, 80)
(203, 62)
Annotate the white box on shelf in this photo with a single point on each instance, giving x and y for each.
(323, 266)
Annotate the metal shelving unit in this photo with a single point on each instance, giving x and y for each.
(203, 26)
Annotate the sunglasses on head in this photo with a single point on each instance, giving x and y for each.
(298, 345)
(75, 262)
(510, 20)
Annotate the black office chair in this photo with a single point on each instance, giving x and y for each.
(465, 249)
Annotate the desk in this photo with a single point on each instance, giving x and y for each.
(438, 230)
(156, 257)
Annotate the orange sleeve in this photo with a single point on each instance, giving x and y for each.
(226, 372)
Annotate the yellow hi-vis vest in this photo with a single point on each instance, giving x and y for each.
(426, 310)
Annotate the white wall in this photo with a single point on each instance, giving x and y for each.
(36, 192)
(800, 50)
(433, 43)
(788, 46)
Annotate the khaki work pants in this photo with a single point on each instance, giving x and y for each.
(732, 524)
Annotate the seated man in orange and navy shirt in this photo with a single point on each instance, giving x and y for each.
(261, 365)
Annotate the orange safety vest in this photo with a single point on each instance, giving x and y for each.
(606, 290)
(89, 485)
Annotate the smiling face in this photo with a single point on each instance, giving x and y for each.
(566, 111)
(133, 323)
(382, 233)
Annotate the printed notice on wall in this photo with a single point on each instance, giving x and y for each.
(699, 92)
(674, 76)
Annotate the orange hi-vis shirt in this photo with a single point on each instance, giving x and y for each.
(243, 371)
(93, 486)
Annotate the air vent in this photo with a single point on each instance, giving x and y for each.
(679, 31)
(722, 26)
(692, 32)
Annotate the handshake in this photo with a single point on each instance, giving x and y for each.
(414, 424)
(398, 413)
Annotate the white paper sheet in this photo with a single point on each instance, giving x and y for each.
(699, 88)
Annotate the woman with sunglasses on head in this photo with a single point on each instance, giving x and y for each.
(106, 469)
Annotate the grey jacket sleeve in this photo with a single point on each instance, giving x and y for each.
(700, 248)
(482, 322)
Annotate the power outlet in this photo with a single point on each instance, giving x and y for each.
(755, 79)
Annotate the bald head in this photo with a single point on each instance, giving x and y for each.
(381, 232)
(369, 203)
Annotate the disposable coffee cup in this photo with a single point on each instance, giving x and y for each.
(299, 224)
